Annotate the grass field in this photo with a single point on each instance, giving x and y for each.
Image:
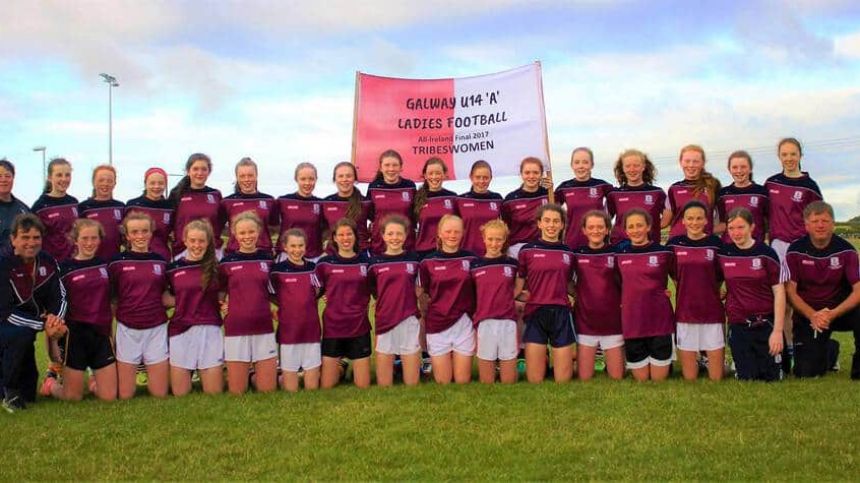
(797, 430)
(596, 430)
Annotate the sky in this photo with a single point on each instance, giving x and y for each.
(275, 81)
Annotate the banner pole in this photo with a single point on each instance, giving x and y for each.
(551, 194)
(355, 117)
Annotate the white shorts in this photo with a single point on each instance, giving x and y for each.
(699, 337)
(250, 348)
(605, 342)
(402, 339)
(304, 356)
(134, 346)
(200, 347)
(514, 250)
(459, 338)
(650, 360)
(497, 339)
(781, 248)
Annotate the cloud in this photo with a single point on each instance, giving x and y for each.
(848, 46)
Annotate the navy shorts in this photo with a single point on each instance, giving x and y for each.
(86, 347)
(351, 348)
(658, 348)
(551, 324)
(751, 353)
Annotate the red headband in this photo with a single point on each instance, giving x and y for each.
(153, 171)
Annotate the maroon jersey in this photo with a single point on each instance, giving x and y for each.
(580, 197)
(245, 278)
(547, 268)
(750, 276)
(788, 197)
(519, 209)
(296, 211)
(263, 205)
(197, 204)
(439, 204)
(753, 198)
(476, 209)
(681, 193)
(646, 310)
(347, 292)
(109, 213)
(58, 215)
(335, 208)
(139, 281)
(697, 280)
(621, 200)
(295, 288)
(597, 310)
(825, 277)
(390, 199)
(161, 212)
(494, 280)
(194, 305)
(393, 279)
(88, 293)
(446, 279)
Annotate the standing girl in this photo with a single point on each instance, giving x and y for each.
(154, 204)
(390, 195)
(349, 203)
(697, 184)
(193, 200)
(699, 314)
(392, 281)
(196, 343)
(432, 202)
(743, 193)
(302, 210)
(581, 195)
(249, 339)
(57, 210)
(635, 173)
(789, 192)
(478, 206)
(520, 205)
(597, 311)
(139, 284)
(755, 301)
(647, 321)
(89, 319)
(495, 316)
(245, 197)
(444, 277)
(346, 324)
(546, 277)
(296, 290)
(101, 207)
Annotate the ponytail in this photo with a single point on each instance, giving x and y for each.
(54, 162)
(423, 192)
(185, 183)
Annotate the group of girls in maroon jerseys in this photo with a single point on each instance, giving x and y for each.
(453, 275)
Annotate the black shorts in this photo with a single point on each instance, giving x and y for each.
(551, 324)
(658, 348)
(87, 347)
(349, 347)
